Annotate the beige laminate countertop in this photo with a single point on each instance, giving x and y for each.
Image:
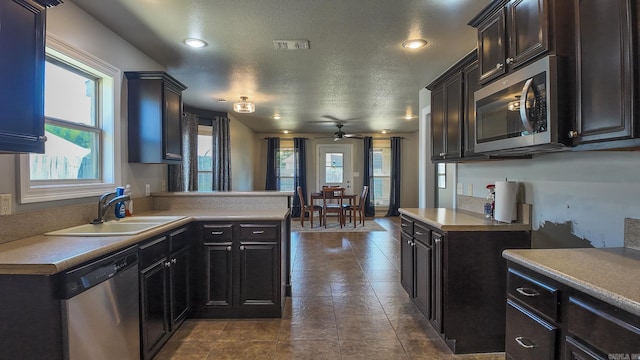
(48, 255)
(607, 274)
(460, 220)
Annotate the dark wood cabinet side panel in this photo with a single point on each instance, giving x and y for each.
(172, 140)
(454, 113)
(471, 85)
(438, 124)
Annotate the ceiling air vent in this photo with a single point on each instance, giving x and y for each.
(291, 44)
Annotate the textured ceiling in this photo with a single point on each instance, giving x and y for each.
(355, 71)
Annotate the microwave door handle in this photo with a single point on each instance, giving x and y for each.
(524, 114)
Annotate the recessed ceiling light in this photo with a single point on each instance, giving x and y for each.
(277, 117)
(195, 43)
(385, 131)
(414, 43)
(408, 117)
(285, 131)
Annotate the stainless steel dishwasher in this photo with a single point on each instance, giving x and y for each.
(100, 308)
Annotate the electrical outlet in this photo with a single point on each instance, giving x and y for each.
(147, 190)
(469, 189)
(459, 189)
(5, 204)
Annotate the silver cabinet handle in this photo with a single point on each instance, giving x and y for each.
(527, 292)
(442, 154)
(228, 248)
(174, 260)
(167, 264)
(259, 232)
(42, 138)
(573, 134)
(499, 66)
(525, 342)
(408, 242)
(217, 232)
(241, 247)
(419, 233)
(509, 60)
(404, 225)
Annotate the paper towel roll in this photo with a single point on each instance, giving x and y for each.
(506, 196)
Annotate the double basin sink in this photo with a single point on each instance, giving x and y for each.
(126, 226)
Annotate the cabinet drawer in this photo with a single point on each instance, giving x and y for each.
(258, 232)
(422, 233)
(608, 330)
(217, 233)
(541, 297)
(574, 350)
(528, 336)
(406, 225)
(179, 239)
(152, 251)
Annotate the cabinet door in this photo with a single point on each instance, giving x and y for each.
(436, 283)
(406, 264)
(471, 78)
(219, 274)
(179, 286)
(259, 277)
(22, 24)
(453, 121)
(491, 47)
(154, 307)
(604, 64)
(438, 124)
(422, 296)
(528, 35)
(172, 134)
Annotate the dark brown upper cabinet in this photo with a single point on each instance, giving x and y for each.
(605, 70)
(471, 84)
(448, 98)
(155, 112)
(22, 39)
(512, 33)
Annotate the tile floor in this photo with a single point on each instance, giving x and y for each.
(347, 303)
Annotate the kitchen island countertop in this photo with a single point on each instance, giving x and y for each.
(461, 220)
(48, 255)
(607, 274)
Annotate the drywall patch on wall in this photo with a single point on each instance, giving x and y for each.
(554, 235)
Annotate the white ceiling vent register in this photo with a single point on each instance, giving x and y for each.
(291, 44)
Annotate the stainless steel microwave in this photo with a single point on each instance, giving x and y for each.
(524, 112)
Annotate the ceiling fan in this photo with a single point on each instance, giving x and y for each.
(339, 135)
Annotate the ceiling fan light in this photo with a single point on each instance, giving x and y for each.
(244, 106)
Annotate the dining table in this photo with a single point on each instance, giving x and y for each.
(317, 195)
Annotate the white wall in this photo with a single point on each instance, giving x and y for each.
(426, 169)
(74, 27)
(579, 198)
(242, 155)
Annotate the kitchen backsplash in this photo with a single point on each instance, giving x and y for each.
(19, 226)
(476, 205)
(632, 233)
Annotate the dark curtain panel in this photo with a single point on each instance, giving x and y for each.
(273, 146)
(184, 176)
(300, 173)
(394, 195)
(369, 210)
(221, 152)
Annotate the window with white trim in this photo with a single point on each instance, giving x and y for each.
(81, 157)
(286, 166)
(205, 158)
(381, 173)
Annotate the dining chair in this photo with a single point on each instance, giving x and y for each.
(332, 203)
(311, 208)
(355, 209)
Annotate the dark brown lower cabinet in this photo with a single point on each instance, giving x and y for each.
(239, 271)
(164, 288)
(549, 320)
(457, 280)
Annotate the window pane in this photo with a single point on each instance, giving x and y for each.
(69, 154)
(334, 170)
(205, 160)
(69, 96)
(287, 163)
(205, 181)
(286, 184)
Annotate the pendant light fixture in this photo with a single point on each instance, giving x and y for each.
(244, 106)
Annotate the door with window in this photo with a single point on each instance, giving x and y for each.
(335, 166)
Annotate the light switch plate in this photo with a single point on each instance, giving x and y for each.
(459, 190)
(469, 189)
(147, 190)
